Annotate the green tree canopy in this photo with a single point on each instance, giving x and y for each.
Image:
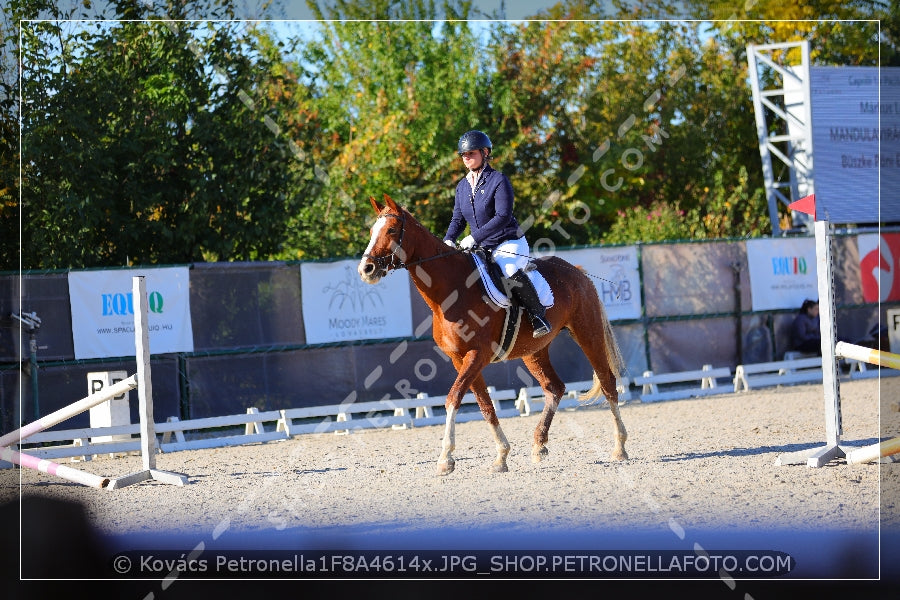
(156, 141)
(174, 138)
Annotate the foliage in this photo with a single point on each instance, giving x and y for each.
(393, 97)
(157, 141)
(154, 142)
(721, 212)
(660, 221)
(629, 124)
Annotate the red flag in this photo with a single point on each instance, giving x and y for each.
(805, 205)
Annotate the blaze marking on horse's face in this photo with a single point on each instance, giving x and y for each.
(369, 271)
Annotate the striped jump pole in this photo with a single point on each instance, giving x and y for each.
(140, 380)
(46, 466)
(76, 408)
(868, 355)
(882, 359)
(69, 411)
(873, 452)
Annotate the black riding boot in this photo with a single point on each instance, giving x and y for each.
(524, 291)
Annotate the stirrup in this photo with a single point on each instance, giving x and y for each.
(541, 326)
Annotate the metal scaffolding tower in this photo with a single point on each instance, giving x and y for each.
(780, 80)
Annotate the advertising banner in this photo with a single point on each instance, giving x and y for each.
(103, 311)
(339, 307)
(615, 274)
(782, 272)
(879, 259)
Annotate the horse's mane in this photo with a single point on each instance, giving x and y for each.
(437, 240)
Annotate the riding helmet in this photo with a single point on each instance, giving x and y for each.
(474, 140)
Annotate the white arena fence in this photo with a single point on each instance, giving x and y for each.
(424, 410)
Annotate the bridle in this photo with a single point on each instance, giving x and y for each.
(394, 260)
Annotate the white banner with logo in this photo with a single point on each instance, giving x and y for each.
(615, 274)
(782, 272)
(103, 311)
(338, 306)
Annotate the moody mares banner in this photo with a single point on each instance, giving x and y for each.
(615, 274)
(339, 307)
(103, 311)
(782, 272)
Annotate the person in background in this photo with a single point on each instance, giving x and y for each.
(806, 334)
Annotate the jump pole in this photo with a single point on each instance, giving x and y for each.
(52, 468)
(874, 452)
(818, 457)
(46, 466)
(76, 408)
(868, 355)
(884, 359)
(141, 380)
(149, 445)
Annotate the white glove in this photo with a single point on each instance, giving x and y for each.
(450, 243)
(467, 242)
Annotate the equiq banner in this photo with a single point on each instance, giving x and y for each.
(782, 272)
(615, 274)
(103, 311)
(338, 306)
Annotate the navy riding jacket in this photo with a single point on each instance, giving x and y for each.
(488, 210)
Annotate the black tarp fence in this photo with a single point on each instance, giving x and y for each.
(250, 346)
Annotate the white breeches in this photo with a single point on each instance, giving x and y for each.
(515, 255)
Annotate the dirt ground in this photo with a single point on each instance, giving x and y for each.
(701, 475)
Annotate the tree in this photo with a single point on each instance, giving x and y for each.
(392, 99)
(620, 113)
(661, 120)
(156, 142)
(176, 139)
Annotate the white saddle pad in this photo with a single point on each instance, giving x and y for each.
(545, 294)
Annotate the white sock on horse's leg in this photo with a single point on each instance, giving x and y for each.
(502, 448)
(446, 462)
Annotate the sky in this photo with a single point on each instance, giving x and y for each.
(298, 10)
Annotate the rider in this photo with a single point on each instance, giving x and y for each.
(484, 200)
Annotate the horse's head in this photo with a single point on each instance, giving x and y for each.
(385, 250)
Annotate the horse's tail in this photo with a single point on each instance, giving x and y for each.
(613, 358)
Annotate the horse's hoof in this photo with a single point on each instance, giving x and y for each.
(620, 455)
(499, 468)
(446, 467)
(539, 455)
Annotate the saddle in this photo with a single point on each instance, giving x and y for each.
(494, 272)
(492, 277)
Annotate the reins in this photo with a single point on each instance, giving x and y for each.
(396, 261)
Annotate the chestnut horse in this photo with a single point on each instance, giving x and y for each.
(467, 327)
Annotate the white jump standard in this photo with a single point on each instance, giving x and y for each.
(149, 445)
(833, 449)
(141, 381)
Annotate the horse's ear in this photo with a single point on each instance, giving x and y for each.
(375, 204)
(390, 202)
